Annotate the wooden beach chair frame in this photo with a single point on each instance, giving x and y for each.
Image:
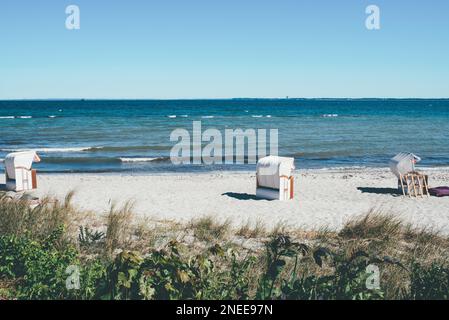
(410, 181)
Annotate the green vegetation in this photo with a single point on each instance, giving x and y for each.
(53, 251)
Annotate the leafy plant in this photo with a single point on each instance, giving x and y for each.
(123, 274)
(429, 282)
(278, 250)
(39, 267)
(88, 237)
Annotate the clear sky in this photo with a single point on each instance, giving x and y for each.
(223, 48)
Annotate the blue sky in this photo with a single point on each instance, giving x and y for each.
(223, 48)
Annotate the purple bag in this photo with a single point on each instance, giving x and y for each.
(439, 191)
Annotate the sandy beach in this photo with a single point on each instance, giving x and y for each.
(323, 198)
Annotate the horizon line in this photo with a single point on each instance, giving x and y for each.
(235, 98)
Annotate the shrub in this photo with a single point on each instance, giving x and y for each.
(429, 282)
(39, 266)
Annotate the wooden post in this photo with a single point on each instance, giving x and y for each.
(292, 183)
(421, 193)
(408, 185)
(34, 179)
(414, 184)
(426, 186)
(402, 183)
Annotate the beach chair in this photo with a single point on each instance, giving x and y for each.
(410, 181)
(19, 175)
(274, 178)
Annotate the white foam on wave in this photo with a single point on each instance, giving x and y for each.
(333, 115)
(184, 116)
(172, 116)
(257, 116)
(7, 117)
(139, 159)
(24, 117)
(52, 117)
(268, 116)
(49, 150)
(207, 117)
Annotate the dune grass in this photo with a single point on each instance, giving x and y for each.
(123, 257)
(373, 225)
(210, 229)
(118, 228)
(252, 230)
(18, 217)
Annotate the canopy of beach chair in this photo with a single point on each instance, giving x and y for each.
(271, 168)
(403, 163)
(22, 159)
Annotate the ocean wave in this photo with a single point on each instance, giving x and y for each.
(24, 117)
(100, 160)
(256, 116)
(322, 155)
(207, 117)
(80, 160)
(127, 148)
(133, 160)
(172, 116)
(330, 115)
(48, 150)
(91, 149)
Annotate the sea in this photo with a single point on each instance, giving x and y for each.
(133, 136)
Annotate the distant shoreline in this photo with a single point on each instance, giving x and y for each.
(221, 99)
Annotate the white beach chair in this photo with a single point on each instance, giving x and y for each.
(19, 175)
(410, 181)
(274, 178)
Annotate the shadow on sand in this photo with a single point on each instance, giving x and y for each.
(241, 196)
(391, 191)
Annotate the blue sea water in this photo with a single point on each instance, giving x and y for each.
(134, 136)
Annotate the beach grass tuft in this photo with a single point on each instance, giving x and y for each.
(252, 230)
(118, 227)
(210, 229)
(373, 225)
(18, 217)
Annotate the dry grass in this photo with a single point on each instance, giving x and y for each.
(119, 228)
(20, 217)
(155, 234)
(251, 231)
(374, 225)
(279, 229)
(210, 229)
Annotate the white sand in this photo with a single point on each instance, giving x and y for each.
(322, 197)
